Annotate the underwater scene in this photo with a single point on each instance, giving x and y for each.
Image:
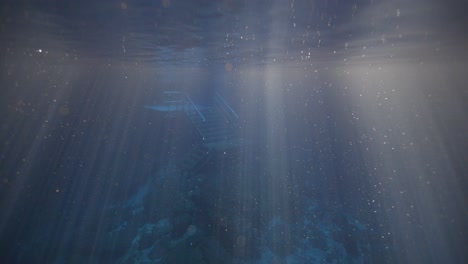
(233, 131)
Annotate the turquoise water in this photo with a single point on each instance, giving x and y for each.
(233, 132)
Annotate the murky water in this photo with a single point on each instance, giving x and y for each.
(233, 132)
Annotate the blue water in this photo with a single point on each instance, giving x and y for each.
(218, 131)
